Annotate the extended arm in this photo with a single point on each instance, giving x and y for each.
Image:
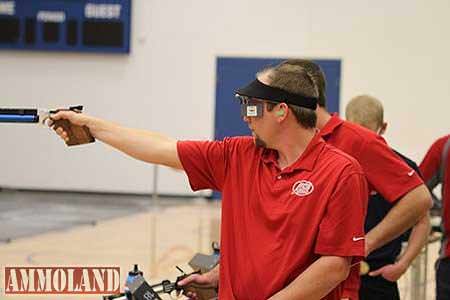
(143, 145)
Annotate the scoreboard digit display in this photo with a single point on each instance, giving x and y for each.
(66, 25)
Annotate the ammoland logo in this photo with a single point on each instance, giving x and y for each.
(62, 280)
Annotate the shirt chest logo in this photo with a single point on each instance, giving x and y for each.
(302, 188)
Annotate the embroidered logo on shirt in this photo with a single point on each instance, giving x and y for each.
(411, 173)
(355, 239)
(302, 188)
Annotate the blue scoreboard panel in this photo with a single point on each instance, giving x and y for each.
(66, 25)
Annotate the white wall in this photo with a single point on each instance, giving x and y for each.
(394, 50)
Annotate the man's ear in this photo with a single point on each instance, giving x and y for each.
(383, 128)
(280, 112)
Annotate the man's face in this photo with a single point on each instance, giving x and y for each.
(259, 125)
(262, 123)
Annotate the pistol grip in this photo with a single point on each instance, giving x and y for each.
(77, 135)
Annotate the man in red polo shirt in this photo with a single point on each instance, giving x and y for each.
(387, 263)
(435, 169)
(385, 173)
(293, 207)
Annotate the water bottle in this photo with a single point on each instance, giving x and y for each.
(131, 276)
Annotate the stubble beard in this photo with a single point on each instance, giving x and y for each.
(259, 142)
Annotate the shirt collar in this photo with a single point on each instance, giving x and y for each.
(305, 162)
(333, 123)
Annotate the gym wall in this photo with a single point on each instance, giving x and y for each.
(396, 51)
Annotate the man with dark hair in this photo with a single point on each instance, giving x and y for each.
(384, 263)
(385, 172)
(282, 77)
(435, 168)
(293, 206)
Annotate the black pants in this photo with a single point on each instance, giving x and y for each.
(376, 288)
(443, 279)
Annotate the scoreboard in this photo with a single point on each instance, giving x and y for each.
(66, 25)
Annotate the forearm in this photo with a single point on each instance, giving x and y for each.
(417, 239)
(318, 280)
(143, 145)
(405, 214)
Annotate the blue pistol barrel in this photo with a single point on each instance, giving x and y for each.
(13, 115)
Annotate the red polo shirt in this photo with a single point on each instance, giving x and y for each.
(276, 223)
(386, 173)
(430, 168)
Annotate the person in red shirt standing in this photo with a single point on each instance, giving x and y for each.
(386, 265)
(293, 206)
(385, 172)
(435, 168)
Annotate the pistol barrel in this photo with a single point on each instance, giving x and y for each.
(18, 115)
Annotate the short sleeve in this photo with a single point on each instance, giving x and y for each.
(205, 163)
(386, 173)
(430, 164)
(341, 231)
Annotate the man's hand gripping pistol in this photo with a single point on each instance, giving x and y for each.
(77, 135)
